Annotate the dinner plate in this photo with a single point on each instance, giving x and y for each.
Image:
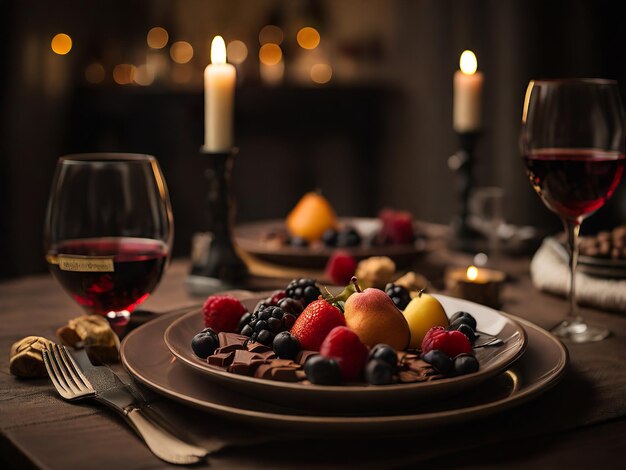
(146, 357)
(602, 267)
(493, 360)
(251, 238)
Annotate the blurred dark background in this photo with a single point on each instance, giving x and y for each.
(365, 116)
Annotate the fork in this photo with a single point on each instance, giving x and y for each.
(71, 383)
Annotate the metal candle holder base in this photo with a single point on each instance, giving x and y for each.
(464, 237)
(215, 263)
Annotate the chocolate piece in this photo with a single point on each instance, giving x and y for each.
(255, 347)
(229, 348)
(264, 371)
(226, 339)
(222, 360)
(305, 355)
(409, 376)
(284, 374)
(268, 355)
(245, 368)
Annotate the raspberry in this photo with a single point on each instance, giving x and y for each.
(340, 267)
(344, 346)
(315, 322)
(452, 343)
(222, 313)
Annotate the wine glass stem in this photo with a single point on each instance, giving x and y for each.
(572, 228)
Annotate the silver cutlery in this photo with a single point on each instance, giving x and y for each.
(72, 384)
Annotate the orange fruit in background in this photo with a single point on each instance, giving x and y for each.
(311, 217)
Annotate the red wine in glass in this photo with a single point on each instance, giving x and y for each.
(108, 274)
(108, 231)
(574, 183)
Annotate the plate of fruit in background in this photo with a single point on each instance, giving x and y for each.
(311, 232)
(349, 350)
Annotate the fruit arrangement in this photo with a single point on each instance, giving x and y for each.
(366, 335)
(313, 222)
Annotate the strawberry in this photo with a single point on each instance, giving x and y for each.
(222, 313)
(452, 343)
(344, 346)
(315, 322)
(340, 267)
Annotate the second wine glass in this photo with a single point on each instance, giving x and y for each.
(572, 141)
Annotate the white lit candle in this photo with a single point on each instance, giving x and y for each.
(468, 87)
(219, 100)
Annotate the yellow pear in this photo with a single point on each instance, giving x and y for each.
(311, 217)
(422, 313)
(373, 316)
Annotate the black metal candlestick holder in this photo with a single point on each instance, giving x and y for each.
(216, 264)
(464, 237)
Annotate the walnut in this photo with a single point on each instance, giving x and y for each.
(94, 333)
(376, 271)
(25, 357)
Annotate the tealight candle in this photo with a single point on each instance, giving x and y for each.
(468, 87)
(480, 285)
(219, 95)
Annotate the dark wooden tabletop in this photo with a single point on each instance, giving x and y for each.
(580, 423)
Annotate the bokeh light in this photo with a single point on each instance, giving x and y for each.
(237, 52)
(308, 38)
(321, 73)
(123, 74)
(95, 73)
(157, 38)
(271, 34)
(144, 75)
(61, 44)
(181, 52)
(270, 54)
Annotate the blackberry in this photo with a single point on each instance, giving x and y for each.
(304, 290)
(265, 323)
(399, 294)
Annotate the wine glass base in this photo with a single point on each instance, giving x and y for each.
(118, 320)
(579, 332)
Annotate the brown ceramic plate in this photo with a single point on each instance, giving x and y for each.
(147, 358)
(250, 238)
(493, 360)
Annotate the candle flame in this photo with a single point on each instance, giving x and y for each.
(472, 273)
(468, 63)
(218, 50)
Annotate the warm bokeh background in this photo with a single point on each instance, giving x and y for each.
(365, 116)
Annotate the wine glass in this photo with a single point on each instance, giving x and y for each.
(572, 141)
(108, 231)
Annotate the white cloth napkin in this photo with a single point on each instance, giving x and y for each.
(549, 272)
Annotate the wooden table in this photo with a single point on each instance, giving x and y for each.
(579, 423)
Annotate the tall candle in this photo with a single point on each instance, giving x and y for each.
(219, 100)
(468, 87)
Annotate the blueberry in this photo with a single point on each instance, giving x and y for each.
(379, 372)
(329, 237)
(244, 320)
(247, 331)
(348, 237)
(467, 331)
(465, 364)
(264, 337)
(385, 353)
(322, 371)
(261, 325)
(465, 318)
(205, 343)
(285, 345)
(275, 324)
(439, 360)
